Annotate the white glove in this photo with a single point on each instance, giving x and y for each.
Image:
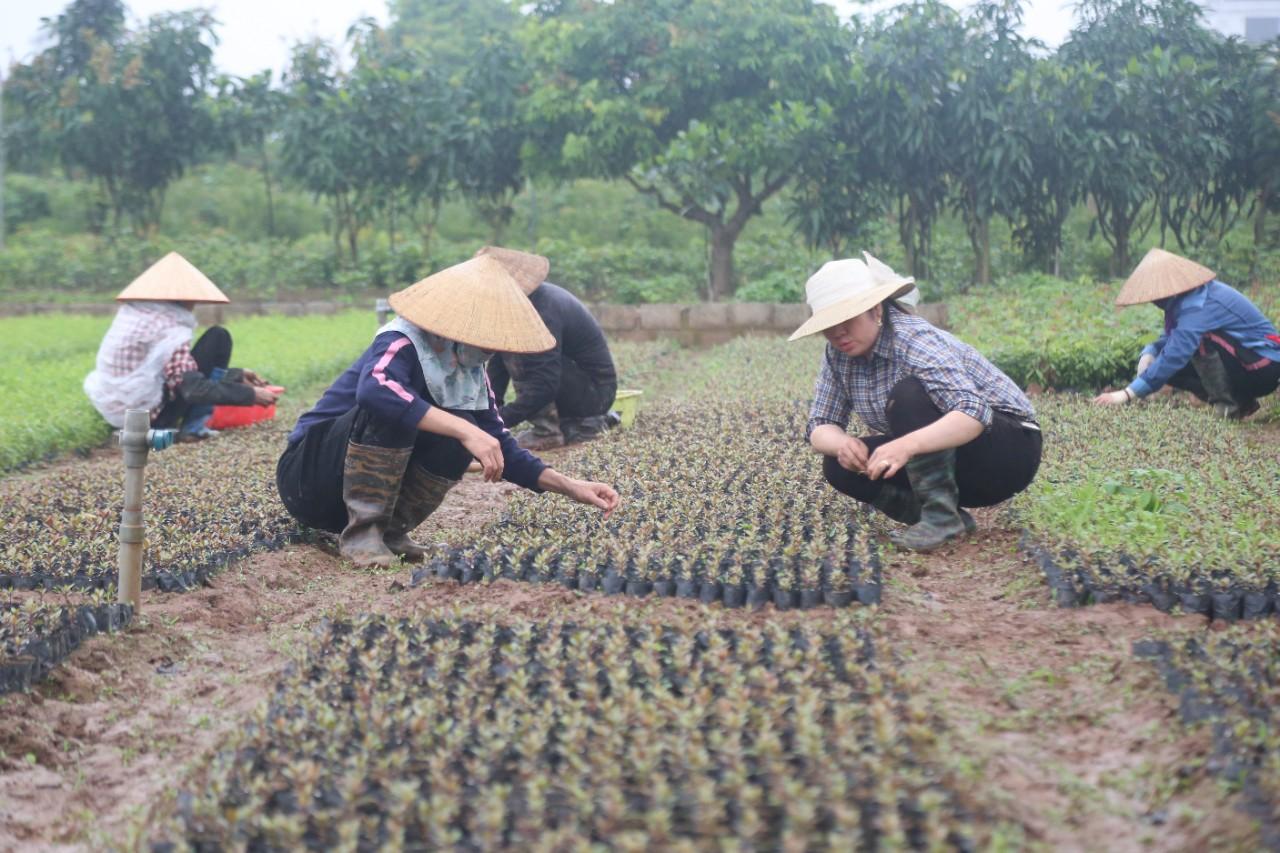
(1144, 362)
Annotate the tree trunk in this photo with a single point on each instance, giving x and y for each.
(271, 206)
(722, 284)
(1260, 215)
(980, 240)
(427, 228)
(1120, 250)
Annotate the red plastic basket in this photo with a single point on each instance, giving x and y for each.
(230, 417)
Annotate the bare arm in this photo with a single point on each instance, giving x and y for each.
(849, 451)
(485, 448)
(583, 491)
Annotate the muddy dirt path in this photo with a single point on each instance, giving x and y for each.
(1053, 722)
(1061, 735)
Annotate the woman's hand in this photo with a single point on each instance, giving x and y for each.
(583, 491)
(487, 451)
(263, 397)
(889, 458)
(593, 494)
(251, 378)
(852, 455)
(1112, 398)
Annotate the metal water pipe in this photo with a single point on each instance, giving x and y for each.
(136, 439)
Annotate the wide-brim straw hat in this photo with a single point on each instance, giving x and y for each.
(172, 279)
(1162, 274)
(846, 288)
(476, 302)
(529, 270)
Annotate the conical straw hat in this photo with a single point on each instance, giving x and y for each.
(1161, 274)
(475, 302)
(527, 269)
(172, 279)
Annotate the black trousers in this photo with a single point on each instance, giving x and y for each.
(991, 468)
(580, 396)
(1246, 385)
(212, 350)
(309, 473)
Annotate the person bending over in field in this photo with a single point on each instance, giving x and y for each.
(951, 430)
(146, 361)
(1216, 343)
(396, 431)
(564, 393)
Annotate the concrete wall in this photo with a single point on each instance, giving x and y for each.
(702, 324)
(711, 323)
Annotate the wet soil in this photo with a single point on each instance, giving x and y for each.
(1062, 738)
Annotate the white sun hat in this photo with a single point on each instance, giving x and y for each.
(846, 288)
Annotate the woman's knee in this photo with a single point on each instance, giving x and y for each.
(855, 485)
(371, 430)
(910, 407)
(444, 457)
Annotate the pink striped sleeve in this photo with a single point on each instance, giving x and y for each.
(380, 370)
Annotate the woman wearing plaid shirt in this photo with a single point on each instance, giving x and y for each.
(951, 429)
(147, 361)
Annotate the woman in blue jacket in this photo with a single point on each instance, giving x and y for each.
(1216, 343)
(391, 436)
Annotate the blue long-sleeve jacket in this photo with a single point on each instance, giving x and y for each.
(1213, 307)
(387, 380)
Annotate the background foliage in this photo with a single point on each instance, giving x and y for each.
(656, 150)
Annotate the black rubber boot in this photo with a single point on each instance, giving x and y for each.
(543, 431)
(1217, 385)
(370, 486)
(421, 494)
(933, 479)
(582, 429)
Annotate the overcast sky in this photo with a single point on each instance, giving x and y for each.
(258, 34)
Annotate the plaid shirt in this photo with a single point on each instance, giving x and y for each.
(956, 377)
(179, 365)
(145, 327)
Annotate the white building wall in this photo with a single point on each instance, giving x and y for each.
(1231, 17)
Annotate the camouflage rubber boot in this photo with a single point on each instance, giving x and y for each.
(1217, 385)
(421, 494)
(902, 506)
(933, 479)
(543, 431)
(370, 485)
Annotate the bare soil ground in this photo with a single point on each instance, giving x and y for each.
(1061, 736)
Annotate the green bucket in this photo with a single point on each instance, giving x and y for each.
(626, 403)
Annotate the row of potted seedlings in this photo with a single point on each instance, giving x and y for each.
(36, 634)
(205, 506)
(710, 512)
(1229, 680)
(447, 732)
(1076, 580)
(1160, 504)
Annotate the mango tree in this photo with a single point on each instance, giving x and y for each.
(700, 105)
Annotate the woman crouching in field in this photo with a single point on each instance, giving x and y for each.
(952, 430)
(398, 428)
